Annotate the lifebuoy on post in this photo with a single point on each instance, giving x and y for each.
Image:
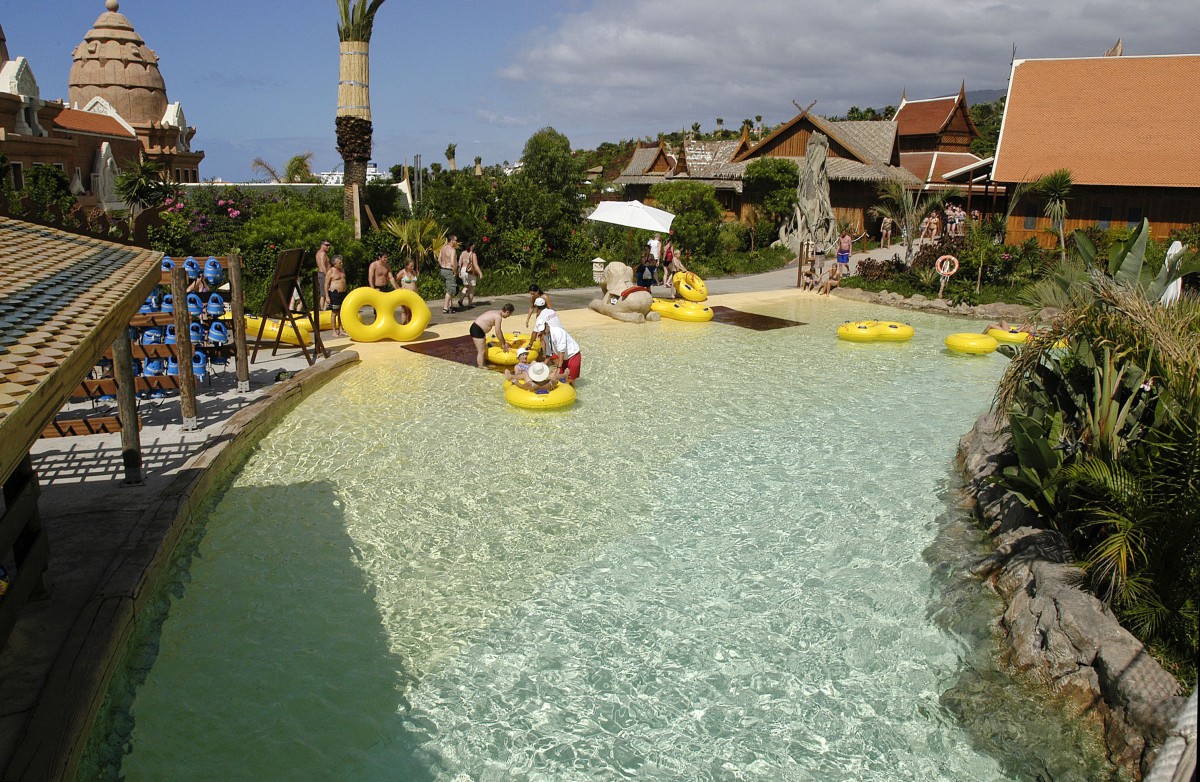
(946, 266)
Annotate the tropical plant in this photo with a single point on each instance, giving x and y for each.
(450, 152)
(356, 20)
(1055, 187)
(142, 184)
(695, 228)
(907, 210)
(297, 169)
(420, 237)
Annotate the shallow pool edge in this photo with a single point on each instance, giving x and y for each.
(61, 724)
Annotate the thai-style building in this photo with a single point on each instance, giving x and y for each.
(862, 155)
(117, 112)
(935, 135)
(1119, 125)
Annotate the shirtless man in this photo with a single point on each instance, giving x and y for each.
(379, 276)
(493, 320)
(808, 280)
(844, 245)
(448, 265)
(334, 291)
(323, 265)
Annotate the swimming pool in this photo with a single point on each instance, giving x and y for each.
(733, 559)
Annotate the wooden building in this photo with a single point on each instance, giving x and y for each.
(1119, 125)
(936, 124)
(862, 154)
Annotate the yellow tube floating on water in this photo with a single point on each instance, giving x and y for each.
(875, 331)
(562, 395)
(691, 311)
(385, 325)
(890, 331)
(1009, 336)
(971, 344)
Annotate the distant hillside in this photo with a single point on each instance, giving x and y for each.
(984, 96)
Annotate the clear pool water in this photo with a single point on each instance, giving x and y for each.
(735, 558)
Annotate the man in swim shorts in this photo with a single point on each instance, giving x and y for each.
(844, 245)
(448, 265)
(494, 320)
(335, 292)
(563, 351)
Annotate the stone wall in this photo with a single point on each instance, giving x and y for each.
(994, 311)
(1053, 633)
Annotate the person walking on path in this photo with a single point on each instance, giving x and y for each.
(494, 320)
(323, 265)
(469, 271)
(379, 275)
(844, 245)
(334, 292)
(448, 264)
(885, 233)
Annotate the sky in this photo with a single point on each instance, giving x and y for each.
(258, 78)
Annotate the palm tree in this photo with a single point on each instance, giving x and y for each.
(356, 18)
(1055, 187)
(298, 169)
(420, 237)
(696, 128)
(720, 125)
(907, 210)
(478, 166)
(450, 150)
(758, 124)
(141, 184)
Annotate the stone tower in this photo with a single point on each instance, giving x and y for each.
(114, 63)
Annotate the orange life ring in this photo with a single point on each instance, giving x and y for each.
(941, 266)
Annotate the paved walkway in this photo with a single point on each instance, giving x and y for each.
(101, 531)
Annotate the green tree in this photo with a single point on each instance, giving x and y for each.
(1055, 187)
(696, 128)
(48, 191)
(772, 182)
(355, 132)
(141, 185)
(907, 210)
(987, 118)
(696, 228)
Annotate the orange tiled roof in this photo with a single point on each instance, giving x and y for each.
(924, 117)
(931, 166)
(89, 122)
(1110, 120)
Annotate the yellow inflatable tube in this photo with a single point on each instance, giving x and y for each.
(508, 357)
(563, 395)
(682, 310)
(290, 334)
(385, 325)
(1010, 336)
(971, 344)
(689, 286)
(859, 331)
(890, 331)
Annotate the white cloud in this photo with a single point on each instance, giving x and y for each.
(501, 120)
(640, 67)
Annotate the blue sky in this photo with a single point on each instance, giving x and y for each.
(259, 77)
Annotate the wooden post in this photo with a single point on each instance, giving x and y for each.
(131, 438)
(237, 310)
(183, 350)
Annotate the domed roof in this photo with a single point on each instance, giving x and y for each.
(114, 63)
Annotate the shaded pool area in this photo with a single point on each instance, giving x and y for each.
(735, 558)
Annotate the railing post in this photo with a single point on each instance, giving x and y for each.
(131, 438)
(183, 349)
(237, 310)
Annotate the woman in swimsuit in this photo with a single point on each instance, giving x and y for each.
(408, 281)
(470, 273)
(535, 293)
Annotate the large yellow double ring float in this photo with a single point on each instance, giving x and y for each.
(693, 311)
(971, 344)
(689, 286)
(508, 358)
(875, 331)
(562, 395)
(385, 325)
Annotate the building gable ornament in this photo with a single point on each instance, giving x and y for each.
(173, 118)
(99, 105)
(16, 78)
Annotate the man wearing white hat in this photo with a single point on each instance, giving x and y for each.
(562, 350)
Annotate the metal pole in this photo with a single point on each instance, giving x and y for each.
(131, 438)
(183, 350)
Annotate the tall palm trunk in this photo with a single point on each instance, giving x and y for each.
(354, 128)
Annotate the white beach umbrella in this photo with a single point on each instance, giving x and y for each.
(633, 214)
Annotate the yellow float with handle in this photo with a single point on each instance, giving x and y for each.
(1011, 336)
(689, 286)
(875, 331)
(290, 334)
(694, 312)
(971, 344)
(385, 325)
(562, 395)
(508, 358)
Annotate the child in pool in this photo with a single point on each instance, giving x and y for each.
(521, 370)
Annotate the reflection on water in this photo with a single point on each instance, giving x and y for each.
(711, 568)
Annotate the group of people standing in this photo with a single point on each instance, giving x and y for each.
(560, 350)
(931, 227)
(458, 267)
(658, 255)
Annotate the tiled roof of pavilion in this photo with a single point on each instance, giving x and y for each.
(64, 298)
(931, 167)
(90, 122)
(1109, 120)
(925, 117)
